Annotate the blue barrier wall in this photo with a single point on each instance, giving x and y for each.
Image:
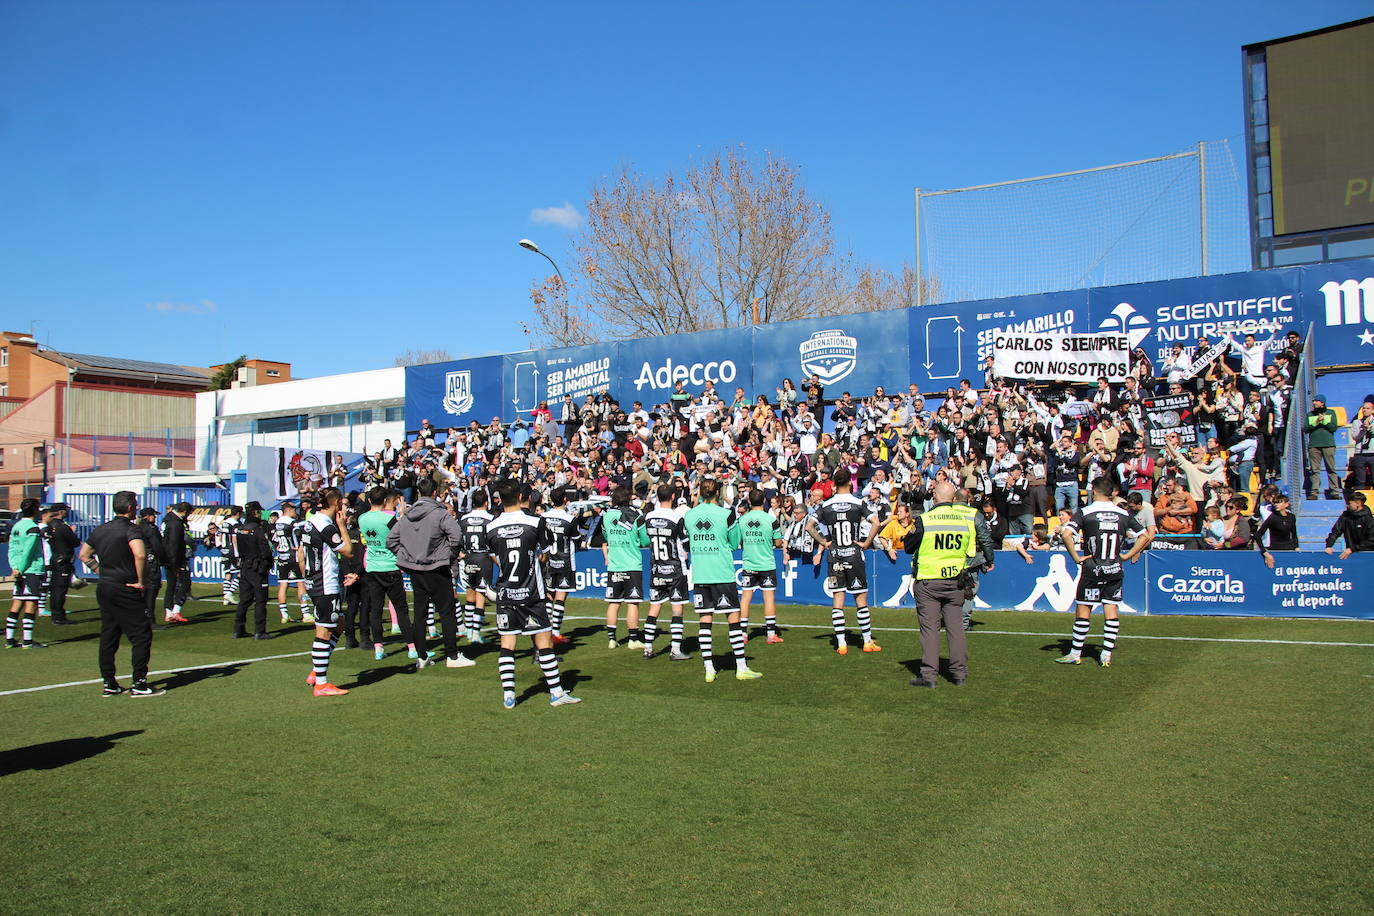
(934, 345)
(1207, 583)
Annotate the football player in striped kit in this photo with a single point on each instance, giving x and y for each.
(518, 541)
(322, 543)
(562, 562)
(663, 533)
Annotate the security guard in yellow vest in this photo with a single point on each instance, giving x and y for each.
(942, 542)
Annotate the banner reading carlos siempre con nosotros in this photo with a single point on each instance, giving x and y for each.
(1062, 357)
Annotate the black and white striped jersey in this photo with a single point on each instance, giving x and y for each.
(667, 538)
(285, 538)
(1105, 531)
(320, 545)
(474, 529)
(841, 518)
(562, 536)
(516, 540)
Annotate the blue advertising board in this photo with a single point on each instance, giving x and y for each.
(855, 353)
(536, 376)
(650, 367)
(951, 342)
(1339, 301)
(1158, 315)
(455, 393)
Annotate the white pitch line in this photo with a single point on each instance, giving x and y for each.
(1063, 634)
(789, 626)
(242, 661)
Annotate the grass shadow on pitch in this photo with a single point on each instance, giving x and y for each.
(369, 676)
(52, 755)
(572, 678)
(187, 678)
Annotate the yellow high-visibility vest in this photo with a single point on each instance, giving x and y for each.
(948, 541)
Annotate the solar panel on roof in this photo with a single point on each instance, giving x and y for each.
(133, 365)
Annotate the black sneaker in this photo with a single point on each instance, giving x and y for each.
(11, 644)
(144, 689)
(112, 690)
(917, 682)
(265, 636)
(64, 622)
(33, 644)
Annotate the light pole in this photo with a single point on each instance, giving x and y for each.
(530, 246)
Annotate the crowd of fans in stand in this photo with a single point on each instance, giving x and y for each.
(1023, 451)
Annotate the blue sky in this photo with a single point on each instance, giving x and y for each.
(329, 183)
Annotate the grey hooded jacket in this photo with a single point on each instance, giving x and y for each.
(426, 537)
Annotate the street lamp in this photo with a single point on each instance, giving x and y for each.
(530, 246)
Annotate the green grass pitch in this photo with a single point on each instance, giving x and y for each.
(1193, 776)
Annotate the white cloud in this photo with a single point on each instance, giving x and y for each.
(203, 307)
(565, 216)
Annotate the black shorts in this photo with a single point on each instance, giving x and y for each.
(514, 619)
(849, 576)
(28, 586)
(716, 598)
(326, 610)
(477, 573)
(562, 577)
(288, 571)
(762, 579)
(625, 586)
(670, 589)
(1095, 589)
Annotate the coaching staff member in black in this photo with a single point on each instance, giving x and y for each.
(62, 544)
(115, 550)
(255, 559)
(153, 552)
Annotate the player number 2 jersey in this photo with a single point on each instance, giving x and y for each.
(516, 540)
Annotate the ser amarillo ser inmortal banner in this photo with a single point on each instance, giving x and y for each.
(1062, 357)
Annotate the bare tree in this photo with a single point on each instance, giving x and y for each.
(732, 241)
(415, 357)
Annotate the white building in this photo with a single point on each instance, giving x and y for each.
(353, 412)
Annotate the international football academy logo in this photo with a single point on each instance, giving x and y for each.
(829, 355)
(458, 392)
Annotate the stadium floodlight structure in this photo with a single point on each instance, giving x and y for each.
(1159, 218)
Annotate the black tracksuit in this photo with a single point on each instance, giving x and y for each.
(62, 544)
(1357, 527)
(255, 560)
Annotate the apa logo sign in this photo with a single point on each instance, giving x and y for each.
(458, 392)
(829, 355)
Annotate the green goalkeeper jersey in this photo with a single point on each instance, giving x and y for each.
(758, 531)
(621, 527)
(713, 536)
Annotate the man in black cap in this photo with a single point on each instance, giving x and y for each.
(177, 547)
(154, 557)
(62, 544)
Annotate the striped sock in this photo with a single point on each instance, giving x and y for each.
(1080, 635)
(11, 626)
(470, 616)
(506, 667)
(737, 645)
(548, 663)
(28, 628)
(1110, 629)
(837, 621)
(634, 634)
(650, 629)
(704, 644)
(675, 628)
(556, 617)
(865, 623)
(320, 650)
(770, 623)
(610, 631)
